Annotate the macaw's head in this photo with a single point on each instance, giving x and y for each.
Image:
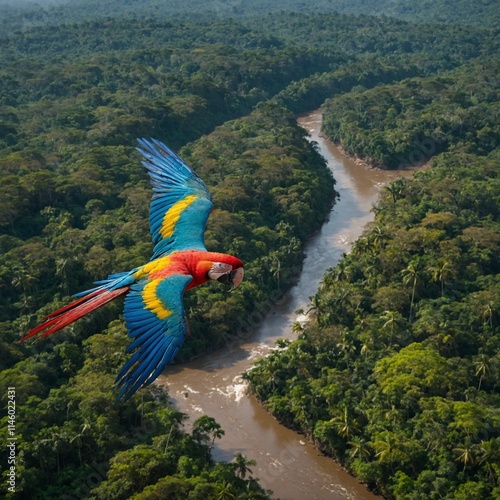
(228, 270)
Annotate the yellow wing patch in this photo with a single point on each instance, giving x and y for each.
(152, 301)
(152, 266)
(173, 214)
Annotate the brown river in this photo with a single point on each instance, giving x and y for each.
(287, 463)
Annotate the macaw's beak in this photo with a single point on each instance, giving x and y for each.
(233, 278)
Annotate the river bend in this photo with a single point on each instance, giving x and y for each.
(286, 462)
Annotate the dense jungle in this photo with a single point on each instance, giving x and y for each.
(396, 373)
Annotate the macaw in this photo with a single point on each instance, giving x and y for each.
(153, 308)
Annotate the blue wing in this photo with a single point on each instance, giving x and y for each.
(155, 319)
(181, 202)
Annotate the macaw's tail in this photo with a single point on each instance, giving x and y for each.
(76, 310)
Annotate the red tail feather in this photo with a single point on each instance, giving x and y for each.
(76, 310)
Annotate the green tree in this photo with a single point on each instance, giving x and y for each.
(206, 429)
(412, 275)
(241, 465)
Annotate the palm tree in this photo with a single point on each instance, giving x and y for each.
(379, 236)
(346, 346)
(395, 189)
(341, 272)
(217, 433)
(358, 448)
(297, 328)
(275, 269)
(205, 426)
(299, 406)
(490, 456)
(466, 454)
(314, 304)
(488, 315)
(24, 280)
(241, 463)
(55, 441)
(411, 275)
(362, 245)
(392, 415)
(392, 320)
(77, 438)
(365, 349)
(63, 271)
(389, 449)
(344, 424)
(483, 368)
(440, 273)
(225, 492)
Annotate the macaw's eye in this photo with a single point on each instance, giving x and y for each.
(219, 269)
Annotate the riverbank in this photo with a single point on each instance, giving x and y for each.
(373, 379)
(287, 463)
(370, 163)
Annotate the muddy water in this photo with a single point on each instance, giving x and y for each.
(286, 462)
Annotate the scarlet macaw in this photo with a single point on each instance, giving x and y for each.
(154, 312)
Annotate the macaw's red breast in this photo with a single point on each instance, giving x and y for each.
(191, 262)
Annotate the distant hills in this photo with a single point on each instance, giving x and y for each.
(24, 14)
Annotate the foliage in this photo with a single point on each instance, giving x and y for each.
(404, 124)
(26, 14)
(74, 208)
(397, 372)
(74, 441)
(271, 190)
